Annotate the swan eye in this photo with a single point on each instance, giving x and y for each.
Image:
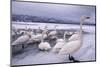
(87, 17)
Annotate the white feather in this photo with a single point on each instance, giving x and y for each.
(58, 46)
(74, 37)
(21, 40)
(75, 41)
(31, 40)
(70, 47)
(39, 36)
(44, 46)
(52, 33)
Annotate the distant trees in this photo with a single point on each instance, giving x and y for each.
(22, 18)
(27, 18)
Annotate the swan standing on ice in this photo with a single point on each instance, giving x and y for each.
(44, 45)
(45, 31)
(60, 43)
(38, 37)
(66, 35)
(53, 34)
(39, 30)
(32, 39)
(72, 46)
(22, 40)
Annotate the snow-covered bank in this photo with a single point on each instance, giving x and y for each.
(35, 25)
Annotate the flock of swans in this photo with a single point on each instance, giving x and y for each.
(63, 46)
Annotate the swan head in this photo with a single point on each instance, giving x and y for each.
(27, 33)
(29, 29)
(84, 18)
(45, 30)
(69, 33)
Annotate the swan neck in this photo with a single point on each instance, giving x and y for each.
(64, 37)
(55, 28)
(81, 30)
(81, 23)
(42, 37)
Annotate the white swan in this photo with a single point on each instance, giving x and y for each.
(44, 45)
(66, 33)
(38, 36)
(74, 45)
(59, 43)
(39, 30)
(32, 39)
(53, 32)
(75, 36)
(22, 40)
(45, 30)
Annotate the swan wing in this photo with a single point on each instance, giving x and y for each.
(70, 47)
(44, 36)
(21, 40)
(52, 33)
(74, 37)
(38, 36)
(44, 46)
(58, 46)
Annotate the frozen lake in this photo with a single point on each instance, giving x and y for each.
(31, 55)
(35, 25)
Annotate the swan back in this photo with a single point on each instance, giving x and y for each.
(75, 36)
(22, 39)
(52, 33)
(58, 46)
(44, 46)
(70, 47)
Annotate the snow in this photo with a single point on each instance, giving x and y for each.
(31, 54)
(35, 25)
